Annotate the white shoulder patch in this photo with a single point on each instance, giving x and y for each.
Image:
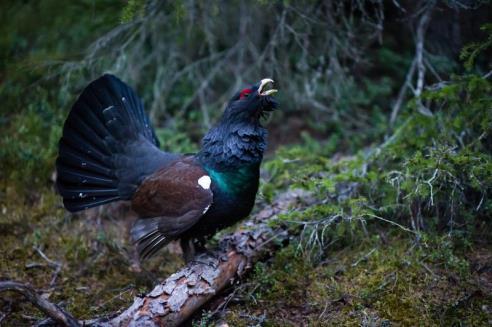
(204, 182)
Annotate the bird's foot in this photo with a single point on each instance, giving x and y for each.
(197, 253)
(207, 257)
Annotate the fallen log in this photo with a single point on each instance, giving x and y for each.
(174, 301)
(182, 294)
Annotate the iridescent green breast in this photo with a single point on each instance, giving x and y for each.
(235, 182)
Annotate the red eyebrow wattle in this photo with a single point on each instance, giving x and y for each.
(244, 93)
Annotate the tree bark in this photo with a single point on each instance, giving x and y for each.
(175, 300)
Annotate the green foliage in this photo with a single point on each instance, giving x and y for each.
(26, 143)
(176, 141)
(133, 9)
(434, 173)
(35, 102)
(383, 280)
(470, 52)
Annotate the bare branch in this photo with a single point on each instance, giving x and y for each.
(401, 94)
(57, 266)
(50, 309)
(418, 63)
(419, 55)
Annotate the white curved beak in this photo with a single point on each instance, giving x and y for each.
(264, 82)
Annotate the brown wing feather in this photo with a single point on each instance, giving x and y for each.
(173, 191)
(169, 202)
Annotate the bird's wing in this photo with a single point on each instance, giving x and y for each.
(169, 202)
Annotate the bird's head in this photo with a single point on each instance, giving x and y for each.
(239, 138)
(251, 103)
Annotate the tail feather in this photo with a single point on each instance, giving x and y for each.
(92, 153)
(70, 158)
(84, 191)
(87, 130)
(82, 112)
(108, 146)
(80, 177)
(148, 237)
(82, 204)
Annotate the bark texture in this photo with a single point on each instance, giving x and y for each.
(183, 293)
(176, 299)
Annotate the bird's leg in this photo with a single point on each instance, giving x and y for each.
(193, 249)
(188, 248)
(210, 257)
(199, 244)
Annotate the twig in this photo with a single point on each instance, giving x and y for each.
(125, 290)
(401, 94)
(321, 316)
(397, 5)
(417, 63)
(427, 268)
(50, 309)
(363, 258)
(3, 315)
(392, 222)
(57, 266)
(429, 182)
(487, 75)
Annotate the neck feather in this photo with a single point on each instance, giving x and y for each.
(230, 146)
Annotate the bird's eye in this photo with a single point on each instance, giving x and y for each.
(244, 93)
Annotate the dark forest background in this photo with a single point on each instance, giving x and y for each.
(385, 114)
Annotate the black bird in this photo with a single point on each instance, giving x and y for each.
(109, 152)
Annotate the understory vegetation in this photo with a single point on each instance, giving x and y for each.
(400, 232)
(385, 118)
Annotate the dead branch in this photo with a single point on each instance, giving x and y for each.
(419, 55)
(50, 309)
(175, 300)
(55, 265)
(401, 93)
(150, 54)
(418, 63)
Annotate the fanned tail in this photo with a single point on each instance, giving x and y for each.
(107, 148)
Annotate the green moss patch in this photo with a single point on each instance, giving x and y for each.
(393, 282)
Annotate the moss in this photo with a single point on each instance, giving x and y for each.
(97, 276)
(393, 281)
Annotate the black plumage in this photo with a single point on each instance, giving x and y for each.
(109, 151)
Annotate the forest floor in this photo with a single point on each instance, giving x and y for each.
(85, 264)
(389, 281)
